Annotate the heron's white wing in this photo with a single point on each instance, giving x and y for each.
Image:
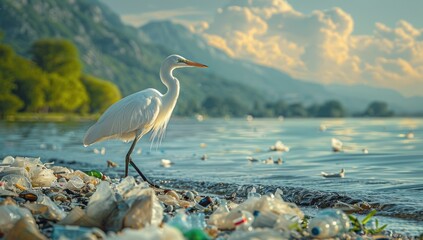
(136, 112)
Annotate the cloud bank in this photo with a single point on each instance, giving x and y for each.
(320, 46)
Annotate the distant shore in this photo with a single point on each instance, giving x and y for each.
(50, 117)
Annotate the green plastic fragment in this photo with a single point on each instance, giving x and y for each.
(95, 173)
(196, 234)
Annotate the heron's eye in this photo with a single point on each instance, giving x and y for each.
(181, 60)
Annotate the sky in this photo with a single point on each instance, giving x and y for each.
(376, 43)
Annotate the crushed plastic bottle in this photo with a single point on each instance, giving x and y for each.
(9, 215)
(101, 203)
(253, 193)
(217, 218)
(76, 232)
(60, 170)
(145, 210)
(75, 183)
(244, 222)
(125, 185)
(190, 225)
(198, 220)
(180, 221)
(329, 223)
(49, 209)
(16, 183)
(261, 233)
(148, 233)
(25, 228)
(42, 177)
(7, 170)
(264, 219)
(8, 160)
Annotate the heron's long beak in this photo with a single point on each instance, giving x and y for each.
(195, 64)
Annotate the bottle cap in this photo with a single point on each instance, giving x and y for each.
(240, 221)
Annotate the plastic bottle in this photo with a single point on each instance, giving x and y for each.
(244, 222)
(218, 217)
(329, 223)
(191, 226)
(10, 214)
(76, 232)
(253, 193)
(197, 220)
(264, 219)
(180, 221)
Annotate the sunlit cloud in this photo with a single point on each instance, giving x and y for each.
(320, 46)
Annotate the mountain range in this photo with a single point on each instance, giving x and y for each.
(131, 57)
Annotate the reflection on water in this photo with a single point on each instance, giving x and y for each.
(391, 173)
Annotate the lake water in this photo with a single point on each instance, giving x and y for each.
(389, 177)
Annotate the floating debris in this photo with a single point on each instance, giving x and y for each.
(365, 150)
(199, 117)
(280, 147)
(203, 145)
(252, 159)
(111, 164)
(279, 161)
(269, 160)
(341, 174)
(336, 145)
(249, 118)
(409, 135)
(166, 163)
(204, 157)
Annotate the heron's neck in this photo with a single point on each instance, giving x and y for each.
(172, 85)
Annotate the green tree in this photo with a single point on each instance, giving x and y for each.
(313, 110)
(296, 110)
(57, 56)
(31, 83)
(66, 94)
(9, 104)
(212, 106)
(378, 109)
(6, 74)
(279, 108)
(101, 93)
(22, 83)
(60, 59)
(331, 108)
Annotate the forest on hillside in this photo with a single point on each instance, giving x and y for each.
(51, 81)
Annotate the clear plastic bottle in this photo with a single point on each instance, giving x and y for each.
(244, 222)
(253, 193)
(329, 223)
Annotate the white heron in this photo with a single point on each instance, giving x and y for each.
(135, 115)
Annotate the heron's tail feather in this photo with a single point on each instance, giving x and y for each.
(89, 137)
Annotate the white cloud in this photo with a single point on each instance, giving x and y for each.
(320, 46)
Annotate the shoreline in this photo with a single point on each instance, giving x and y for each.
(83, 196)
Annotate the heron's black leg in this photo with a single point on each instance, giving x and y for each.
(128, 160)
(143, 176)
(128, 155)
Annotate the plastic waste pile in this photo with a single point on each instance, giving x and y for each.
(43, 201)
